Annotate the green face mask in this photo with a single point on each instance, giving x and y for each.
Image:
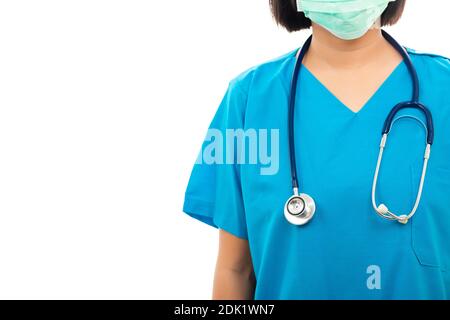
(346, 19)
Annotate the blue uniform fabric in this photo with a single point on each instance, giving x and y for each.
(346, 244)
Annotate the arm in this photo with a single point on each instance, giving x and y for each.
(234, 277)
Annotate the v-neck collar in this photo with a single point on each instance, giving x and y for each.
(367, 104)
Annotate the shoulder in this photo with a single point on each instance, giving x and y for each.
(270, 70)
(252, 82)
(434, 75)
(431, 63)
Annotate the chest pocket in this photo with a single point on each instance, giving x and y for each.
(431, 223)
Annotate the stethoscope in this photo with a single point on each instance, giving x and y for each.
(300, 207)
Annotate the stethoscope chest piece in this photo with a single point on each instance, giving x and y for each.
(299, 209)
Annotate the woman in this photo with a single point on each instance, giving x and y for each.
(350, 78)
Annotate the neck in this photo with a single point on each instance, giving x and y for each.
(345, 54)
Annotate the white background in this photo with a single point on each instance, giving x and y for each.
(103, 106)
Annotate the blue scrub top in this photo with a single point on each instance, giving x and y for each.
(347, 251)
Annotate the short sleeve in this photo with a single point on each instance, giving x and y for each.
(214, 194)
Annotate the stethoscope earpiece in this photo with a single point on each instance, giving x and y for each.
(382, 209)
(384, 212)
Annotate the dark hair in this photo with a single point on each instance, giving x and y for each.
(285, 14)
